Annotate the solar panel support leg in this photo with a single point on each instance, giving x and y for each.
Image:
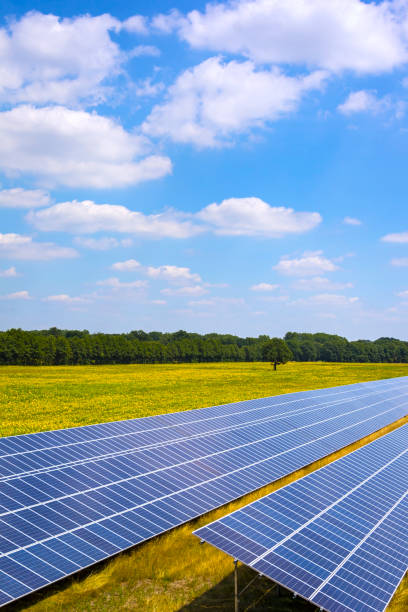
(236, 594)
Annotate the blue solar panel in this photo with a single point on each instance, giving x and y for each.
(73, 514)
(32, 452)
(338, 536)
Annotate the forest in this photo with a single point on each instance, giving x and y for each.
(70, 347)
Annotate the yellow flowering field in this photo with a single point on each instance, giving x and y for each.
(172, 572)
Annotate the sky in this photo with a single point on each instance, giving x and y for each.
(234, 167)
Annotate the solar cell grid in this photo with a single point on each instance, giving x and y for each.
(71, 516)
(154, 431)
(338, 536)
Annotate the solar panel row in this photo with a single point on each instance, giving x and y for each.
(35, 452)
(55, 522)
(338, 536)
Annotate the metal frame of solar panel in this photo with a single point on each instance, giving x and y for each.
(337, 537)
(107, 493)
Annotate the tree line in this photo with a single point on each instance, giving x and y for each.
(65, 347)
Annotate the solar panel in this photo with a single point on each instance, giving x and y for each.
(56, 520)
(30, 452)
(337, 537)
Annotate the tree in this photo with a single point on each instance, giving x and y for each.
(276, 351)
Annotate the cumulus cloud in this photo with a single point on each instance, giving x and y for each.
(275, 298)
(87, 217)
(320, 283)
(352, 221)
(174, 274)
(217, 301)
(399, 238)
(126, 266)
(137, 24)
(212, 102)
(364, 102)
(309, 264)
(64, 298)
(188, 291)
(146, 88)
(115, 283)
(101, 244)
(47, 59)
(17, 295)
(9, 272)
(264, 287)
(76, 148)
(24, 198)
(234, 217)
(331, 299)
(367, 37)
(145, 50)
(403, 294)
(254, 217)
(400, 262)
(167, 23)
(16, 246)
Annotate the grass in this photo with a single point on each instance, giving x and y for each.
(172, 572)
(42, 398)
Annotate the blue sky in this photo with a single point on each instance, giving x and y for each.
(237, 167)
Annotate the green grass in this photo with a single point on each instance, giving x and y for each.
(172, 572)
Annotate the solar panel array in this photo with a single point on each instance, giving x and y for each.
(337, 537)
(73, 497)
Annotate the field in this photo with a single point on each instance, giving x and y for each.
(172, 572)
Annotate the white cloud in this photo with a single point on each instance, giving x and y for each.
(216, 301)
(115, 283)
(367, 37)
(212, 102)
(158, 302)
(403, 294)
(352, 221)
(47, 59)
(264, 287)
(167, 23)
(9, 272)
(24, 247)
(24, 198)
(254, 217)
(331, 299)
(64, 298)
(320, 283)
(145, 50)
(101, 244)
(275, 298)
(87, 217)
(18, 295)
(136, 24)
(400, 262)
(126, 266)
(364, 102)
(234, 217)
(188, 291)
(401, 238)
(147, 88)
(75, 148)
(310, 264)
(174, 274)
